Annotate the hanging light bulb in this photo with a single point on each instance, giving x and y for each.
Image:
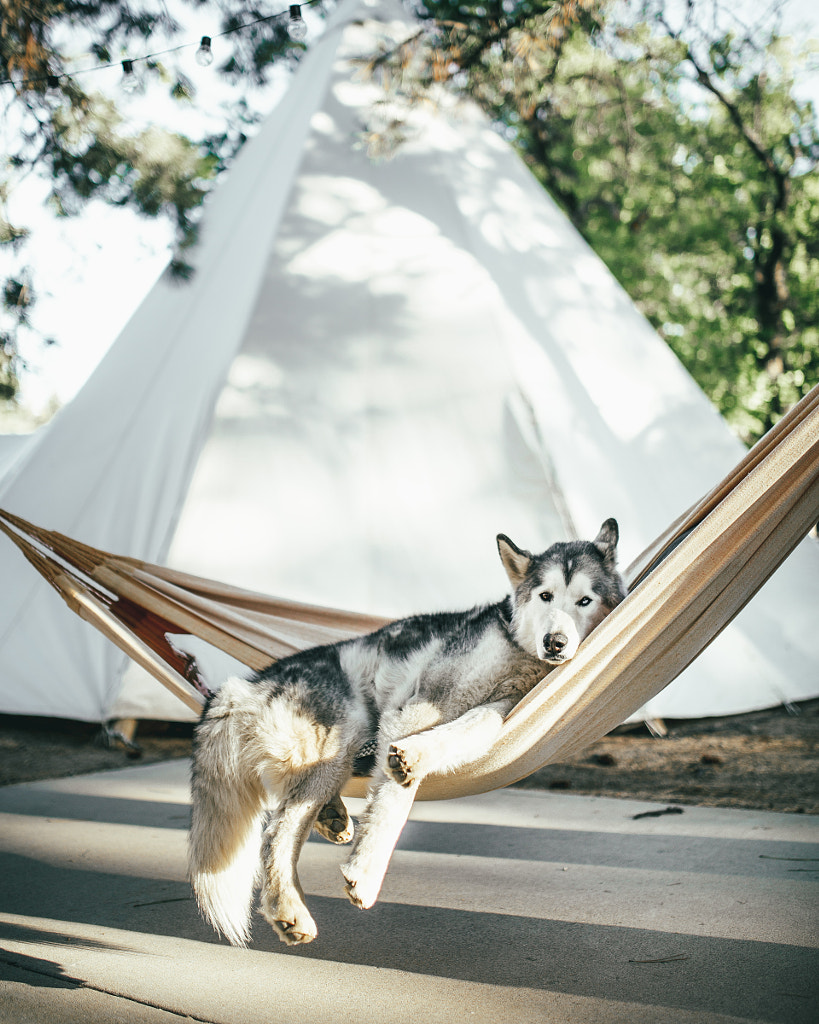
(130, 82)
(204, 55)
(296, 28)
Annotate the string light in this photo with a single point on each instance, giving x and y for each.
(204, 55)
(130, 82)
(296, 29)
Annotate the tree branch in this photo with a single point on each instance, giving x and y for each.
(748, 134)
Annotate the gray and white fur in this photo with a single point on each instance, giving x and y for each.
(271, 754)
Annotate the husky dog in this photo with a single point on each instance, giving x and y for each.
(272, 754)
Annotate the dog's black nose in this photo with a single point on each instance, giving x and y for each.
(555, 642)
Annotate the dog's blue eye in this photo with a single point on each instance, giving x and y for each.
(546, 596)
(584, 602)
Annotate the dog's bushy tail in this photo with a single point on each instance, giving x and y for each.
(228, 802)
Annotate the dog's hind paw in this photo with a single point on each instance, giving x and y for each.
(290, 935)
(334, 824)
(402, 766)
(293, 926)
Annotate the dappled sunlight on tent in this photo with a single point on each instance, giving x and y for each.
(334, 199)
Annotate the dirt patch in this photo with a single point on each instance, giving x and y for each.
(50, 748)
(767, 760)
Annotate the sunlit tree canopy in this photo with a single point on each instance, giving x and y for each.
(671, 134)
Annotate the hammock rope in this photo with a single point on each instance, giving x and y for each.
(684, 589)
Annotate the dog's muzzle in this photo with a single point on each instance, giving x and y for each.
(554, 646)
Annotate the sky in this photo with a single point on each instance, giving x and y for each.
(92, 271)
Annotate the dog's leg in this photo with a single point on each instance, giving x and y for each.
(447, 747)
(406, 762)
(388, 807)
(282, 897)
(378, 831)
(334, 823)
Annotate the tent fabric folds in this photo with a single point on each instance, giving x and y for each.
(684, 590)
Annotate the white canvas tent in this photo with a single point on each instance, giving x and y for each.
(378, 367)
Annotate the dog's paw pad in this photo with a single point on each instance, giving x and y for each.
(359, 892)
(359, 897)
(290, 920)
(352, 895)
(335, 829)
(291, 934)
(399, 767)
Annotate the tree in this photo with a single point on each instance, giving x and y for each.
(687, 163)
(69, 132)
(681, 155)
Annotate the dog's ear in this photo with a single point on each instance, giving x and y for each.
(606, 542)
(515, 561)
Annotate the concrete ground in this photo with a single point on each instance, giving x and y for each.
(517, 906)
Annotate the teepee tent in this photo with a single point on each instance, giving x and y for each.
(378, 367)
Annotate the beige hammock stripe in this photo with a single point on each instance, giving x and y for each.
(187, 620)
(726, 547)
(352, 623)
(93, 611)
(252, 643)
(269, 620)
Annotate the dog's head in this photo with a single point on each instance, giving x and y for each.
(560, 596)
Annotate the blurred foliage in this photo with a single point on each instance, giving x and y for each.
(80, 142)
(682, 157)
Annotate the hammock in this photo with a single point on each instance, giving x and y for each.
(684, 589)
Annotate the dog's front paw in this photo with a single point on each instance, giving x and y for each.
(361, 892)
(403, 763)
